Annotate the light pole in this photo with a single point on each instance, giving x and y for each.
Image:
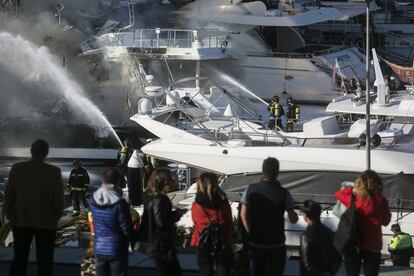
(368, 121)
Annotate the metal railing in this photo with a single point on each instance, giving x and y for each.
(299, 55)
(166, 38)
(217, 135)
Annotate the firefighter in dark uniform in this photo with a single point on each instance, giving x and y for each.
(275, 113)
(78, 183)
(124, 154)
(292, 114)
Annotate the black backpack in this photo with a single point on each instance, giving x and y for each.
(211, 239)
(346, 236)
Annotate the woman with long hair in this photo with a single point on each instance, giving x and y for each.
(158, 223)
(212, 207)
(373, 213)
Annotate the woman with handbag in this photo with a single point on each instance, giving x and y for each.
(372, 213)
(212, 233)
(157, 234)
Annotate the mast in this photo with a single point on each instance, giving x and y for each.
(368, 121)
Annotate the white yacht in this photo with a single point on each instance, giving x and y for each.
(272, 54)
(264, 52)
(327, 149)
(314, 161)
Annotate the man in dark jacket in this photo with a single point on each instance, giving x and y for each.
(112, 225)
(318, 255)
(78, 182)
(266, 230)
(34, 204)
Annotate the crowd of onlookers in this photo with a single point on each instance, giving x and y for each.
(34, 204)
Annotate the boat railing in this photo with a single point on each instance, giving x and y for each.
(216, 135)
(165, 38)
(299, 55)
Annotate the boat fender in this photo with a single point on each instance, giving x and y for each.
(376, 140)
(362, 140)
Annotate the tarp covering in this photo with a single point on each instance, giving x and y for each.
(321, 186)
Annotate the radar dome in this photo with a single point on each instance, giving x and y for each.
(154, 91)
(144, 106)
(149, 78)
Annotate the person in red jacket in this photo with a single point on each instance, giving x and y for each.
(211, 204)
(373, 213)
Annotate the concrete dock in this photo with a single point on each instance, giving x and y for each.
(68, 260)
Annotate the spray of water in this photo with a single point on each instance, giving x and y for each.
(35, 64)
(234, 82)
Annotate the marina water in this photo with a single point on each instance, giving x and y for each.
(31, 63)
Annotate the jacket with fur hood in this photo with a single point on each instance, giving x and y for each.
(111, 220)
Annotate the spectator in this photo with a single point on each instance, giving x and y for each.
(34, 204)
(211, 206)
(112, 226)
(158, 224)
(373, 211)
(400, 247)
(266, 229)
(318, 255)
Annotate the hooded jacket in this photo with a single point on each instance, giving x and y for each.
(372, 215)
(111, 220)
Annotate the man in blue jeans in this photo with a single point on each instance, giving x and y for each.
(263, 206)
(112, 225)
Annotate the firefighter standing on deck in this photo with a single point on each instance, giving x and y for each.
(276, 112)
(292, 114)
(78, 183)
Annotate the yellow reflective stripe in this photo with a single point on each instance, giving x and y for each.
(394, 243)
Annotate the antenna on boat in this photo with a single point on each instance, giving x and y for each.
(284, 78)
(382, 87)
(367, 104)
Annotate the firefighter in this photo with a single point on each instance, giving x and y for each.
(292, 114)
(275, 113)
(124, 154)
(78, 183)
(400, 247)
